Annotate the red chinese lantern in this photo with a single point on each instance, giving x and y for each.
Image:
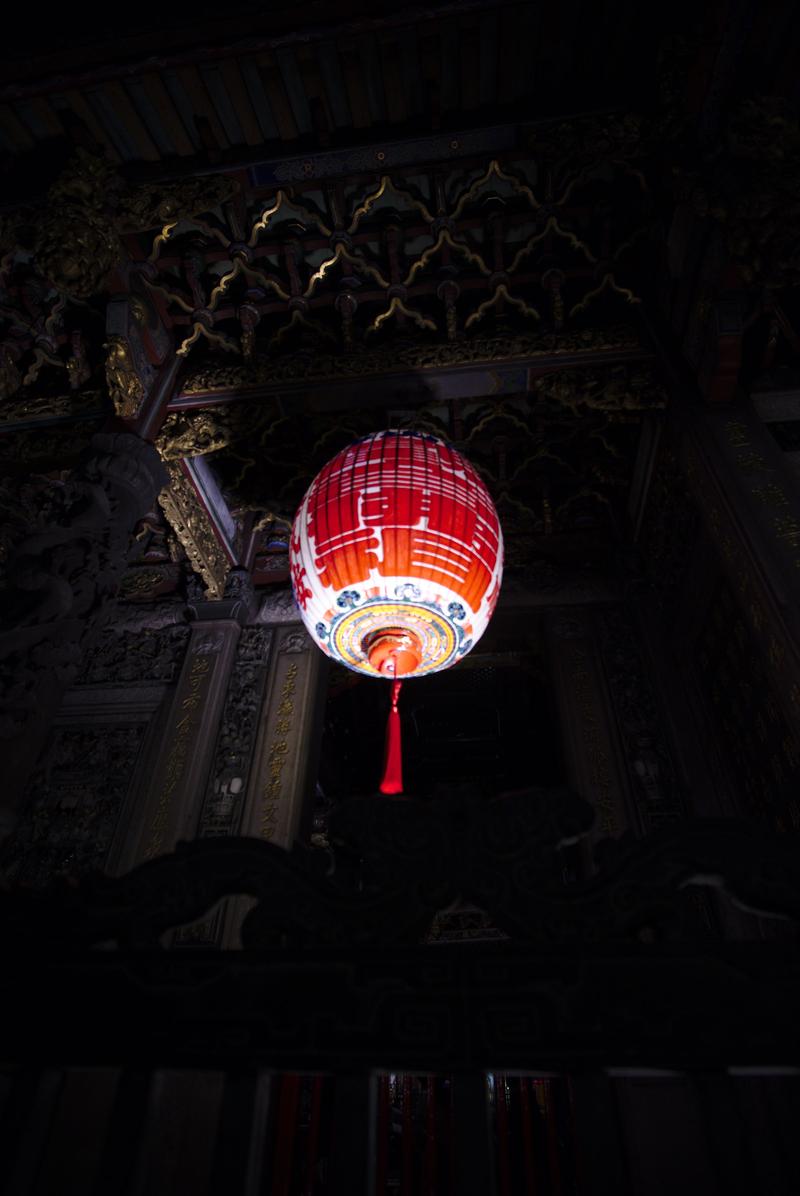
(396, 558)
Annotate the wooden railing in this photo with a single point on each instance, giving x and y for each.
(605, 977)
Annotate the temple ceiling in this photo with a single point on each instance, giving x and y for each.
(260, 252)
(158, 93)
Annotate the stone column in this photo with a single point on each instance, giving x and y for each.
(262, 769)
(223, 794)
(172, 807)
(61, 576)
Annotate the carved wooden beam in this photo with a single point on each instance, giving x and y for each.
(191, 520)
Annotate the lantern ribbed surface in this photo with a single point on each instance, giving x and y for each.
(396, 555)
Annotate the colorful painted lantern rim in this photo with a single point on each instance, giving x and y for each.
(444, 632)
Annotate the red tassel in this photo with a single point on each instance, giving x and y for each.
(393, 758)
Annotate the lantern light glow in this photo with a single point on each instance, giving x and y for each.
(396, 556)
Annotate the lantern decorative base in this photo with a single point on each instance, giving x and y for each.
(393, 651)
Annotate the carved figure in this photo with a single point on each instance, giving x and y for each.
(124, 384)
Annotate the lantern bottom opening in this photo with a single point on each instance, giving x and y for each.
(393, 651)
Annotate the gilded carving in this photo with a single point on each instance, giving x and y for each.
(153, 205)
(146, 581)
(192, 525)
(195, 433)
(278, 751)
(30, 406)
(124, 384)
(76, 243)
(262, 371)
(617, 390)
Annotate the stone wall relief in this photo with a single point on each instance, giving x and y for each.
(74, 803)
(136, 651)
(63, 563)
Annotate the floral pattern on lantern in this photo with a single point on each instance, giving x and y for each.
(397, 535)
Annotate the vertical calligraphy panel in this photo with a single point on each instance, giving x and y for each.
(286, 754)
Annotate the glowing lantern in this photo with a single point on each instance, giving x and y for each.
(396, 559)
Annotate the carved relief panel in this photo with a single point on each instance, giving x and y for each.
(75, 802)
(170, 809)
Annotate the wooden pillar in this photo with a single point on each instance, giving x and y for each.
(600, 1163)
(353, 1146)
(176, 1149)
(24, 1161)
(648, 1105)
(591, 750)
(474, 1155)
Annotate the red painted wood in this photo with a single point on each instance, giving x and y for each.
(384, 1129)
(553, 1152)
(407, 1152)
(503, 1158)
(429, 1168)
(285, 1131)
(312, 1147)
(527, 1136)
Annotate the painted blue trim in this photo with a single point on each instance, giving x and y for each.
(358, 160)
